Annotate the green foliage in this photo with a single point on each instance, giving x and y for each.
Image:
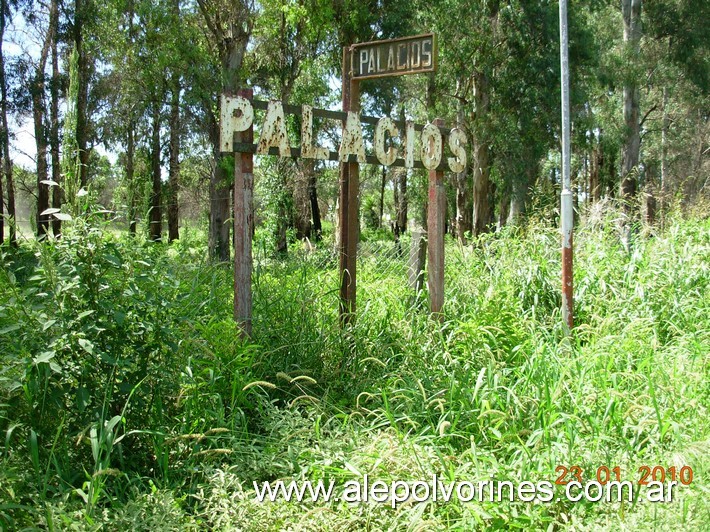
(70, 151)
(126, 397)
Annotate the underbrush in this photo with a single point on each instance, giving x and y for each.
(128, 401)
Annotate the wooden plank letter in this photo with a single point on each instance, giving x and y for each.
(457, 144)
(385, 125)
(273, 132)
(308, 150)
(432, 147)
(236, 114)
(352, 143)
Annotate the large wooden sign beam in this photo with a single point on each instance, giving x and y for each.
(386, 130)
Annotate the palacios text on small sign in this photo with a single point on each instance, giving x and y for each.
(394, 57)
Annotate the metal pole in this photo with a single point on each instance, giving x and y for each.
(566, 209)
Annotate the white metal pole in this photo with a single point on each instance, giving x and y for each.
(566, 209)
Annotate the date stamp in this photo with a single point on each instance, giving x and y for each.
(603, 474)
(654, 482)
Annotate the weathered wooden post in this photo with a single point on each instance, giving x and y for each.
(243, 226)
(432, 150)
(349, 190)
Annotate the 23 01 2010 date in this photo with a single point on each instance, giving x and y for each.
(604, 474)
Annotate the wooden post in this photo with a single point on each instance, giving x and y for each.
(348, 214)
(435, 236)
(243, 227)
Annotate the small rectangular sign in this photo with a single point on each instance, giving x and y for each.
(394, 57)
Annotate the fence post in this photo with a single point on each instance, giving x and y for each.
(348, 215)
(243, 227)
(435, 235)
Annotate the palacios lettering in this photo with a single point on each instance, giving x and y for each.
(238, 115)
(394, 57)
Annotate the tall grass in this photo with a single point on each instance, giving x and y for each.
(122, 373)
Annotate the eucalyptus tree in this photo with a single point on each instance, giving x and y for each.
(6, 162)
(174, 124)
(43, 20)
(84, 12)
(147, 45)
(631, 11)
(54, 124)
(677, 47)
(122, 38)
(229, 25)
(498, 78)
(292, 41)
(469, 54)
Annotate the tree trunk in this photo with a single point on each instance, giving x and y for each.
(219, 206)
(481, 188)
(41, 146)
(597, 164)
(38, 114)
(521, 191)
(130, 181)
(284, 219)
(481, 158)
(664, 146)
(503, 210)
(517, 201)
(464, 190)
(315, 208)
(174, 160)
(5, 135)
(174, 171)
(401, 204)
(54, 132)
(464, 205)
(82, 91)
(232, 47)
(301, 199)
(631, 10)
(156, 224)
